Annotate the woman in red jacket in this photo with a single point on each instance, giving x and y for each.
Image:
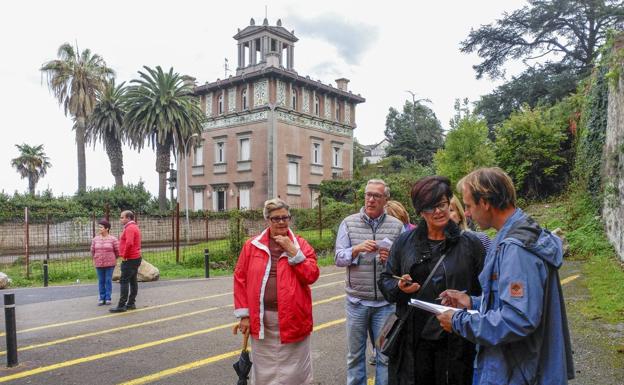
(272, 298)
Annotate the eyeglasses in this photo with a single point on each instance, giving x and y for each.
(442, 206)
(373, 196)
(285, 218)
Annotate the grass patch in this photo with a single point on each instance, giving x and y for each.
(583, 228)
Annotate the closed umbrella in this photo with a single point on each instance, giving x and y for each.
(243, 365)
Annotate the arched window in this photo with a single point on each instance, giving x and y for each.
(244, 98)
(293, 101)
(220, 104)
(337, 111)
(317, 106)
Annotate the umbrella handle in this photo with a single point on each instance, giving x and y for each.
(245, 340)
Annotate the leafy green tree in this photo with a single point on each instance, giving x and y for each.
(32, 163)
(558, 40)
(415, 133)
(530, 147)
(569, 30)
(541, 85)
(466, 147)
(162, 112)
(106, 125)
(74, 79)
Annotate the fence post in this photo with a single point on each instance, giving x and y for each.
(92, 224)
(107, 212)
(207, 231)
(11, 331)
(207, 263)
(320, 217)
(177, 242)
(27, 244)
(173, 218)
(47, 258)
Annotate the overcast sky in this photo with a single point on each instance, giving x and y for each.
(384, 48)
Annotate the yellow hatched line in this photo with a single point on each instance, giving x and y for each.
(64, 364)
(206, 361)
(569, 279)
(48, 326)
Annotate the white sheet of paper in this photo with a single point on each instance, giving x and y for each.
(384, 244)
(434, 307)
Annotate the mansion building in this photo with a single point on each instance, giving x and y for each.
(269, 132)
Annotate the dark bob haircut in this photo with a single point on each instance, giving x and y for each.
(105, 223)
(430, 190)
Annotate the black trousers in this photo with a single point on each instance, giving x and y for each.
(129, 272)
(447, 361)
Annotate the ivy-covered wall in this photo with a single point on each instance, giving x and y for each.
(613, 166)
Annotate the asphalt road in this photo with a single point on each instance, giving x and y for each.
(180, 334)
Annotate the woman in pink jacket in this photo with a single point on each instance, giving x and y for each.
(273, 301)
(104, 250)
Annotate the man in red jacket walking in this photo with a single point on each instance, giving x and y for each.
(130, 251)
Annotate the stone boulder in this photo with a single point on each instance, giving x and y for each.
(5, 281)
(147, 272)
(565, 244)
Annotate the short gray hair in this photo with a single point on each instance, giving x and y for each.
(272, 205)
(380, 181)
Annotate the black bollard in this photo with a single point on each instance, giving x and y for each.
(207, 263)
(45, 273)
(11, 331)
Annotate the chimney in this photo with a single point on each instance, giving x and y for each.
(342, 84)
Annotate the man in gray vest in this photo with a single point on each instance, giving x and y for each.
(357, 249)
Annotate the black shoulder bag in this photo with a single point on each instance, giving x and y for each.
(389, 337)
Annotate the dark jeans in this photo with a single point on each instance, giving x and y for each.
(129, 271)
(105, 282)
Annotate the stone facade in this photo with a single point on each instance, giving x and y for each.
(272, 148)
(613, 206)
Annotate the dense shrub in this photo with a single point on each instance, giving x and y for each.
(129, 197)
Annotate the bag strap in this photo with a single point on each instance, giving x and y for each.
(420, 291)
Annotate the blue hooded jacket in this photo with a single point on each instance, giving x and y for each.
(521, 328)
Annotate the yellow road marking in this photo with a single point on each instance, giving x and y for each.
(210, 360)
(117, 329)
(64, 364)
(48, 326)
(371, 381)
(569, 279)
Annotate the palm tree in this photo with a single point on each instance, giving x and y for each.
(74, 78)
(162, 110)
(32, 163)
(106, 125)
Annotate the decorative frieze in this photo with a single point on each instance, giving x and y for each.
(316, 169)
(314, 123)
(236, 120)
(231, 99)
(281, 93)
(327, 108)
(347, 114)
(261, 92)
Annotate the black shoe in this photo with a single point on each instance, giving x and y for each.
(118, 309)
(131, 307)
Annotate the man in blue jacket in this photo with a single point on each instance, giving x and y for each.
(521, 328)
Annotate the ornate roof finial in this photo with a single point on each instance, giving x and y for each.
(252, 21)
(279, 22)
(265, 22)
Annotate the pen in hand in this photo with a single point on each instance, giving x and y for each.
(440, 298)
(408, 281)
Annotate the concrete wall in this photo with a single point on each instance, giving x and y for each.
(613, 207)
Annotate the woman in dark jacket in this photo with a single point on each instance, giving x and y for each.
(428, 355)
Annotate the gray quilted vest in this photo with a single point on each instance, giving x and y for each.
(361, 279)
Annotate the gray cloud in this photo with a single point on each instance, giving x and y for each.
(326, 69)
(351, 40)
